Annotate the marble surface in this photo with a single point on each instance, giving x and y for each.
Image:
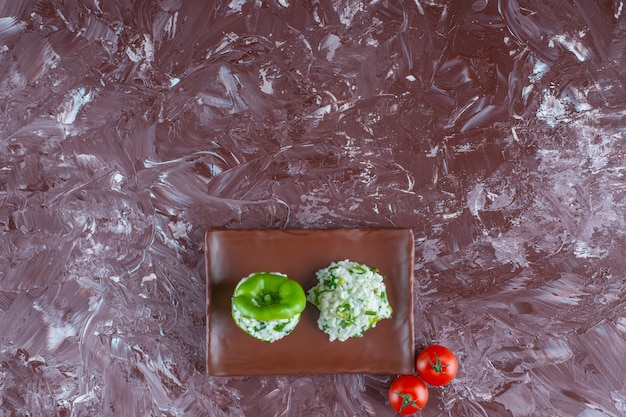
(494, 130)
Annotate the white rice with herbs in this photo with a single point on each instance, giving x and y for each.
(267, 331)
(351, 298)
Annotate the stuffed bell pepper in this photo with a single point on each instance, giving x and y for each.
(268, 305)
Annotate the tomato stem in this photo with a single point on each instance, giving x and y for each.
(437, 366)
(406, 401)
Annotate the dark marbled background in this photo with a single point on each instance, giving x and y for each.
(495, 130)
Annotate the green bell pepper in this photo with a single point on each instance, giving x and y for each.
(268, 296)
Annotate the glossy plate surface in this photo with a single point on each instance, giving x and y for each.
(234, 254)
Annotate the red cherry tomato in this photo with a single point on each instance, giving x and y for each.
(437, 365)
(408, 394)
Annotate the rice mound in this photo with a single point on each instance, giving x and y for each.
(351, 298)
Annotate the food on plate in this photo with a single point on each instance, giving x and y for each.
(268, 305)
(351, 298)
(408, 394)
(437, 365)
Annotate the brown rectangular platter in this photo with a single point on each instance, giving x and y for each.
(234, 254)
